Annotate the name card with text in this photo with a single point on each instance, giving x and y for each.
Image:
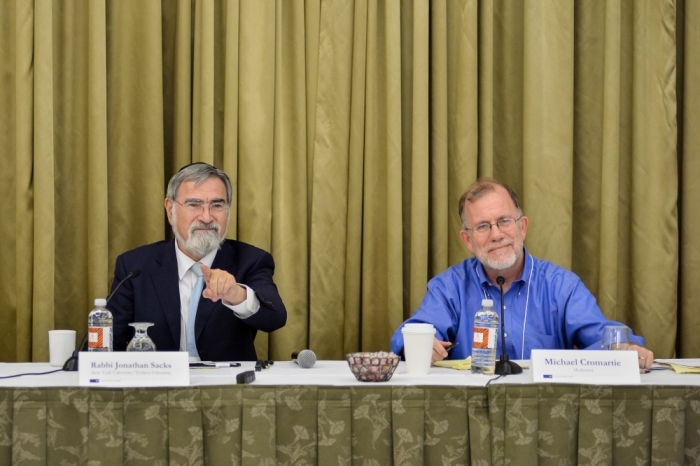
(121, 369)
(586, 367)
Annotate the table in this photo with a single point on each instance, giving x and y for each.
(324, 416)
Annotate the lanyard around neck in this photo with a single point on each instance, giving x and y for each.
(487, 295)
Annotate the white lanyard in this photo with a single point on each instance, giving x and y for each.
(487, 295)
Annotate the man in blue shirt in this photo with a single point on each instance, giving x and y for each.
(547, 306)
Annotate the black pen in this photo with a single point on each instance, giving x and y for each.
(215, 364)
(447, 348)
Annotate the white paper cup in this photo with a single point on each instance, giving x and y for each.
(418, 347)
(61, 346)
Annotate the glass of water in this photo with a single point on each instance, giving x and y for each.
(141, 340)
(616, 337)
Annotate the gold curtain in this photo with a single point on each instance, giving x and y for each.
(350, 129)
(689, 167)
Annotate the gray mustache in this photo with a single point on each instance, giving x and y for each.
(196, 225)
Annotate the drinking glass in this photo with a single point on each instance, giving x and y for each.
(616, 337)
(141, 341)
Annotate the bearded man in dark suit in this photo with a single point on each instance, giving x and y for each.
(239, 296)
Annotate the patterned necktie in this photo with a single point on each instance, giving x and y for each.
(192, 314)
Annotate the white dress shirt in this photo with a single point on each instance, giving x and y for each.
(187, 280)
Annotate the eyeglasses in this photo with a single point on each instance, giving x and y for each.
(197, 207)
(504, 224)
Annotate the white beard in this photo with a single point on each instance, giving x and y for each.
(505, 259)
(198, 242)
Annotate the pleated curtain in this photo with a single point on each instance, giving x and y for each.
(350, 128)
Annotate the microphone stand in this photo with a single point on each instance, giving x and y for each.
(504, 366)
(71, 364)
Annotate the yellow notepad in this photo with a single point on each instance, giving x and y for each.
(463, 364)
(459, 364)
(681, 368)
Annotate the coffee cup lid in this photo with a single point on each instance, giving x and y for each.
(418, 328)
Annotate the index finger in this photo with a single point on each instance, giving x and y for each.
(206, 272)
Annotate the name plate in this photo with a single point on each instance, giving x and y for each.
(122, 369)
(585, 367)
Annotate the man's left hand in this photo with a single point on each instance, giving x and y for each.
(644, 356)
(222, 285)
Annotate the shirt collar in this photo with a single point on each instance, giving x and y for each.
(524, 275)
(184, 262)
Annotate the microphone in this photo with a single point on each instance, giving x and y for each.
(133, 274)
(304, 358)
(71, 365)
(504, 366)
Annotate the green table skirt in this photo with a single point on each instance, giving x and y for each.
(370, 425)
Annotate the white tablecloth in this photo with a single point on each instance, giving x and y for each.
(327, 373)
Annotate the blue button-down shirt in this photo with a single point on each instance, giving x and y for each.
(548, 307)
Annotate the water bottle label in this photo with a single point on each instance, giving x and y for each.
(484, 338)
(99, 337)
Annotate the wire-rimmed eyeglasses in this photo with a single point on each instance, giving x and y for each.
(215, 207)
(504, 224)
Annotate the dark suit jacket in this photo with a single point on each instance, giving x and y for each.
(154, 296)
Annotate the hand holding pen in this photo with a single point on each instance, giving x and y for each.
(440, 350)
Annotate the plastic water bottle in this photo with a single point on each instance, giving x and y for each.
(484, 339)
(100, 327)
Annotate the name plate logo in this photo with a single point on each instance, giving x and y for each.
(586, 367)
(121, 369)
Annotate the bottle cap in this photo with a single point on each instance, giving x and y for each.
(487, 303)
(100, 302)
